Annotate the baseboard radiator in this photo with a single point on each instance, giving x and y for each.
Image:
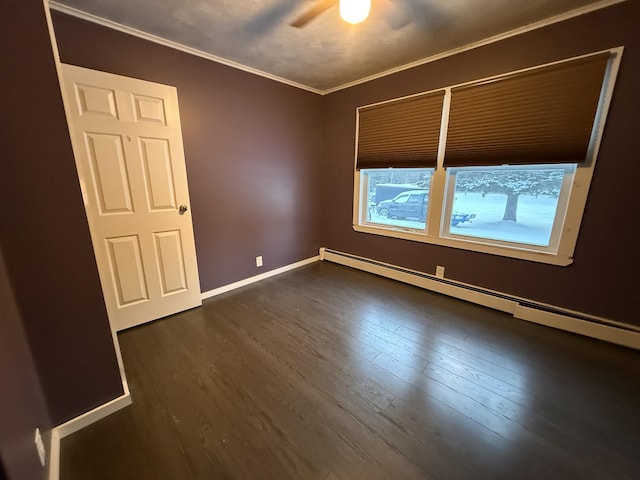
(521, 308)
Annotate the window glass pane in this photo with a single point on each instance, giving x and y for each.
(518, 205)
(397, 197)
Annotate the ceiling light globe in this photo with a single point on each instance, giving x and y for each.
(354, 11)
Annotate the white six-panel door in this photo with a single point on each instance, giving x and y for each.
(128, 146)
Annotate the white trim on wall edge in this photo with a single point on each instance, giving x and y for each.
(54, 5)
(257, 278)
(481, 43)
(98, 413)
(75, 424)
(82, 421)
(590, 329)
(614, 332)
(523, 309)
(74, 12)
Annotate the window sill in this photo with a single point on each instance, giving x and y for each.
(519, 253)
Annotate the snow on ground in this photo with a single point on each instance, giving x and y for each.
(395, 222)
(535, 218)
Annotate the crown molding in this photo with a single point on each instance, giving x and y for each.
(54, 5)
(470, 46)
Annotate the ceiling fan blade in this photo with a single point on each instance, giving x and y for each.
(270, 18)
(320, 7)
(426, 14)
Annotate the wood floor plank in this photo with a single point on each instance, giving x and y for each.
(328, 373)
(340, 408)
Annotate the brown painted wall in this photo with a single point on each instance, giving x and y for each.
(43, 228)
(253, 150)
(260, 181)
(22, 404)
(600, 281)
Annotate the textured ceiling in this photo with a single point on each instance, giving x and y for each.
(327, 53)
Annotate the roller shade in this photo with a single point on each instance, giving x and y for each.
(539, 116)
(402, 133)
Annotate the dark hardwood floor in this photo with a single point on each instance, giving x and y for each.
(330, 373)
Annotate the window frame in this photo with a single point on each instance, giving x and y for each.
(562, 254)
(558, 221)
(360, 215)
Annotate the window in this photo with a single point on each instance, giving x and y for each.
(396, 197)
(500, 165)
(524, 205)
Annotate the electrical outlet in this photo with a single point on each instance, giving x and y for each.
(259, 261)
(40, 446)
(440, 271)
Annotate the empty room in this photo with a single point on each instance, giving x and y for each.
(285, 239)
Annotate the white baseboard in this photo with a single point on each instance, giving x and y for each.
(521, 308)
(81, 421)
(570, 324)
(257, 278)
(524, 309)
(98, 413)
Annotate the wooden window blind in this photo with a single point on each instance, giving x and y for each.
(540, 116)
(402, 133)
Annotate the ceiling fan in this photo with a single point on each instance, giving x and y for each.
(351, 11)
(396, 13)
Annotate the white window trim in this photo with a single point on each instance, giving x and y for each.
(576, 203)
(556, 232)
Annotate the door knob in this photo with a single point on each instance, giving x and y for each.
(183, 209)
